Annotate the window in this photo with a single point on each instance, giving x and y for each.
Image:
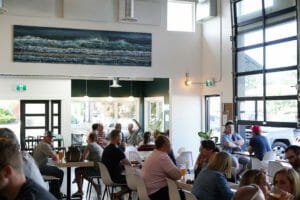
(36, 118)
(213, 115)
(10, 116)
(181, 16)
(154, 113)
(96, 110)
(265, 64)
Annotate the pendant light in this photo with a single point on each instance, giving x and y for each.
(86, 97)
(130, 98)
(109, 98)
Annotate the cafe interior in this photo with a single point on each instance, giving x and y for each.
(186, 67)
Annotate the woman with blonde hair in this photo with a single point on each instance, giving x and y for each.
(211, 182)
(288, 179)
(258, 177)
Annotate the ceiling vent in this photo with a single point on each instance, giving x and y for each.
(115, 83)
(129, 11)
(2, 10)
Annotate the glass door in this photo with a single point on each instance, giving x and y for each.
(213, 115)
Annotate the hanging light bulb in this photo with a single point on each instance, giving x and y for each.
(86, 97)
(131, 98)
(109, 98)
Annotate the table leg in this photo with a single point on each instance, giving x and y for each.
(68, 183)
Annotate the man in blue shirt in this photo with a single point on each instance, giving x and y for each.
(231, 142)
(259, 144)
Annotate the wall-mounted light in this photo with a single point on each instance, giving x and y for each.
(86, 97)
(187, 81)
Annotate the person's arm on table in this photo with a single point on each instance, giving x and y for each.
(125, 161)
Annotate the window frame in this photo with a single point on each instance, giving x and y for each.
(263, 19)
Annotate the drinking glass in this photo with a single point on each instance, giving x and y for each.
(276, 193)
(60, 156)
(183, 171)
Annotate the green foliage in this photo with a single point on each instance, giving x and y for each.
(155, 125)
(205, 135)
(6, 116)
(74, 120)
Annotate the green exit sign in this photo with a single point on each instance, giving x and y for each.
(209, 83)
(21, 87)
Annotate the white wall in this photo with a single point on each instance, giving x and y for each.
(46, 89)
(213, 34)
(173, 54)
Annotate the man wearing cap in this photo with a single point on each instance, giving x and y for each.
(259, 144)
(41, 153)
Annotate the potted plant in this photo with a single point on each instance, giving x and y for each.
(207, 136)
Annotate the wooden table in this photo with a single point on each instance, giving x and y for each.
(69, 165)
(243, 153)
(184, 185)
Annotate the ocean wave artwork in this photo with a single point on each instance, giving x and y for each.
(76, 46)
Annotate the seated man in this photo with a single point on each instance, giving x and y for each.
(13, 183)
(156, 134)
(292, 153)
(231, 142)
(248, 192)
(101, 136)
(30, 169)
(113, 157)
(93, 152)
(41, 153)
(259, 144)
(208, 150)
(157, 168)
(133, 137)
(122, 145)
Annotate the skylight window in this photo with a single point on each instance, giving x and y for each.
(181, 16)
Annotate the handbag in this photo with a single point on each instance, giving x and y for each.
(74, 154)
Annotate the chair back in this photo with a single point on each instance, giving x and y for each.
(270, 155)
(189, 196)
(105, 174)
(130, 173)
(275, 166)
(185, 157)
(173, 192)
(256, 163)
(141, 188)
(134, 155)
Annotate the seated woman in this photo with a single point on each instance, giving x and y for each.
(93, 152)
(258, 177)
(287, 179)
(147, 144)
(211, 182)
(208, 151)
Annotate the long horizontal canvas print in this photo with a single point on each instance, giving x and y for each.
(76, 46)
